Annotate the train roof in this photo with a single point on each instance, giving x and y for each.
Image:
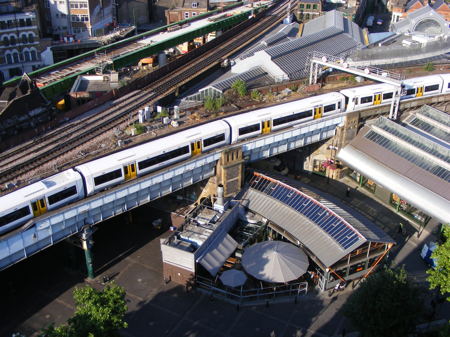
(281, 109)
(422, 80)
(155, 146)
(34, 190)
(367, 89)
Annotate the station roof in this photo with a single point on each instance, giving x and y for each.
(411, 159)
(328, 230)
(424, 20)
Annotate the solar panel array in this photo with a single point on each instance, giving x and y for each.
(336, 227)
(431, 129)
(408, 154)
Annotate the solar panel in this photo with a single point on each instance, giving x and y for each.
(336, 227)
(408, 154)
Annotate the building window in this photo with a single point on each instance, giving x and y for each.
(73, 18)
(3, 25)
(302, 6)
(33, 55)
(57, 15)
(83, 5)
(194, 4)
(27, 56)
(24, 38)
(61, 2)
(85, 18)
(63, 15)
(12, 40)
(6, 41)
(314, 6)
(21, 22)
(29, 23)
(74, 5)
(308, 6)
(9, 59)
(186, 15)
(30, 38)
(194, 14)
(16, 57)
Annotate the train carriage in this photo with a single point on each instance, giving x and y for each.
(369, 95)
(151, 156)
(36, 199)
(282, 116)
(422, 86)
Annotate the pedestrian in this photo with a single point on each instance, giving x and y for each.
(400, 228)
(342, 285)
(347, 192)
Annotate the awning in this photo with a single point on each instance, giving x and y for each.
(218, 251)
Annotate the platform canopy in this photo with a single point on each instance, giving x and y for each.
(275, 261)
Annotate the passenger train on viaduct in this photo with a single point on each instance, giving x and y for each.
(18, 207)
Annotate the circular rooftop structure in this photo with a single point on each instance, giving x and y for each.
(429, 26)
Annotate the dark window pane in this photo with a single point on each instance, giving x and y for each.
(328, 108)
(64, 194)
(291, 118)
(107, 177)
(13, 216)
(411, 91)
(213, 140)
(388, 95)
(248, 129)
(163, 157)
(433, 87)
(366, 99)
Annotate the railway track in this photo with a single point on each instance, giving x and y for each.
(58, 142)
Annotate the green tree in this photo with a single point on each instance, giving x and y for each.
(439, 277)
(386, 304)
(240, 87)
(97, 314)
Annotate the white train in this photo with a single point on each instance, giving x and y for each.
(17, 207)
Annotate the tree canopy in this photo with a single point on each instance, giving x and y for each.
(386, 304)
(439, 277)
(97, 314)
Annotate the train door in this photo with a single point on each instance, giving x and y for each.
(129, 171)
(376, 99)
(39, 207)
(419, 92)
(318, 112)
(196, 148)
(265, 127)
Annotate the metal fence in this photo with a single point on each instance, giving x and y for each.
(241, 296)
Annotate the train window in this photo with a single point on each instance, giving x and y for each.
(104, 178)
(213, 140)
(433, 87)
(366, 99)
(163, 157)
(248, 129)
(388, 95)
(61, 195)
(411, 92)
(13, 216)
(339, 105)
(448, 85)
(330, 107)
(291, 118)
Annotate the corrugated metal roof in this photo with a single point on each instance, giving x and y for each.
(294, 62)
(218, 251)
(432, 123)
(248, 76)
(326, 229)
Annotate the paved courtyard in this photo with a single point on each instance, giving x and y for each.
(39, 291)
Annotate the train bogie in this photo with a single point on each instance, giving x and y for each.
(366, 96)
(19, 206)
(422, 86)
